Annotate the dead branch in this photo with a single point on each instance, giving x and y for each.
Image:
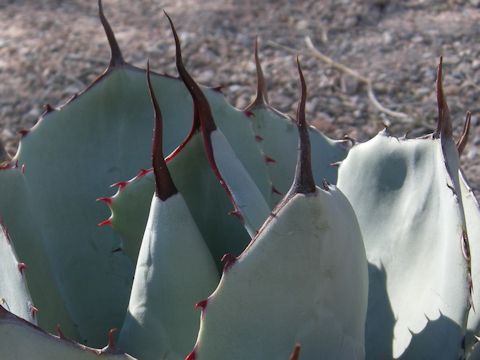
(365, 80)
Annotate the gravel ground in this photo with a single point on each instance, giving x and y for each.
(52, 49)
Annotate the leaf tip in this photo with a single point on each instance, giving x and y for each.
(444, 124)
(295, 353)
(463, 140)
(164, 186)
(116, 58)
(21, 266)
(303, 182)
(228, 260)
(261, 97)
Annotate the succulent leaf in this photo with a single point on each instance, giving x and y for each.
(472, 218)
(316, 232)
(14, 294)
(20, 339)
(248, 202)
(275, 133)
(406, 194)
(71, 156)
(174, 271)
(27, 237)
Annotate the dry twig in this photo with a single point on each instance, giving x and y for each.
(369, 84)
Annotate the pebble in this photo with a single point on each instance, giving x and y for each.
(476, 63)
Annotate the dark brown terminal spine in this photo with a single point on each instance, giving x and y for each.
(164, 186)
(202, 109)
(261, 98)
(295, 353)
(462, 142)
(444, 125)
(117, 57)
(303, 182)
(202, 116)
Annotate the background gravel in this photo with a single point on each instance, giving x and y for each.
(52, 49)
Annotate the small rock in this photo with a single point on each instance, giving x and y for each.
(474, 120)
(34, 113)
(349, 84)
(476, 63)
(476, 140)
(472, 153)
(423, 91)
(206, 76)
(309, 106)
(302, 25)
(387, 38)
(417, 39)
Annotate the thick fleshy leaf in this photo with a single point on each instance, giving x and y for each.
(412, 224)
(472, 218)
(246, 195)
(276, 134)
(319, 300)
(303, 278)
(22, 340)
(277, 137)
(70, 157)
(14, 294)
(29, 241)
(408, 199)
(190, 171)
(175, 270)
(236, 127)
(205, 159)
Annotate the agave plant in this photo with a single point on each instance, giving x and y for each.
(236, 245)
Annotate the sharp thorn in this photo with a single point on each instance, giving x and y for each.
(21, 267)
(164, 186)
(276, 191)
(106, 200)
(462, 142)
(105, 222)
(121, 185)
(228, 260)
(60, 333)
(261, 97)
(143, 172)
(192, 355)
(326, 185)
(444, 124)
(33, 310)
(47, 108)
(303, 182)
(116, 54)
(349, 138)
(201, 304)
(249, 113)
(218, 88)
(237, 214)
(295, 353)
(202, 112)
(269, 160)
(111, 339)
